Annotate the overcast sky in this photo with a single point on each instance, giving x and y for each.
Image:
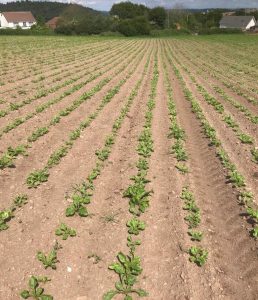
(106, 4)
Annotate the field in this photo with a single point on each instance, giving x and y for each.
(129, 168)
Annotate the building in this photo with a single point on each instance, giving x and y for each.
(238, 22)
(14, 19)
(52, 23)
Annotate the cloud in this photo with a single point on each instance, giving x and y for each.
(106, 4)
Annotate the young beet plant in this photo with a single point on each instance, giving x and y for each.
(49, 260)
(198, 255)
(135, 226)
(35, 291)
(64, 231)
(37, 177)
(128, 268)
(80, 198)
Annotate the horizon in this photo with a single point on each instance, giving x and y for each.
(105, 5)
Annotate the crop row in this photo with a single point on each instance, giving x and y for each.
(81, 198)
(52, 60)
(7, 159)
(60, 75)
(225, 117)
(37, 177)
(217, 73)
(44, 92)
(128, 266)
(197, 254)
(235, 178)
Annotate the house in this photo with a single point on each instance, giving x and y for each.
(14, 19)
(52, 23)
(238, 22)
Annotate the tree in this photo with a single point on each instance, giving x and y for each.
(158, 15)
(128, 10)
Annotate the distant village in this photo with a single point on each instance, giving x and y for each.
(25, 20)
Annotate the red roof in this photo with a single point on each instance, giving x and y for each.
(53, 22)
(19, 16)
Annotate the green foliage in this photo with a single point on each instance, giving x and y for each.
(253, 213)
(158, 15)
(37, 177)
(195, 235)
(5, 216)
(128, 268)
(254, 232)
(198, 255)
(20, 200)
(246, 198)
(128, 10)
(134, 27)
(50, 260)
(254, 153)
(103, 154)
(135, 226)
(7, 159)
(236, 178)
(193, 219)
(64, 231)
(179, 151)
(81, 197)
(139, 198)
(35, 291)
(245, 139)
(182, 168)
(56, 157)
(38, 133)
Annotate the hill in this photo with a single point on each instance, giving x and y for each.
(47, 10)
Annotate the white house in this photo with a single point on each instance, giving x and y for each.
(14, 19)
(238, 22)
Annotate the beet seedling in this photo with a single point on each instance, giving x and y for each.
(64, 231)
(253, 213)
(142, 164)
(182, 168)
(254, 153)
(237, 179)
(135, 226)
(128, 268)
(245, 139)
(35, 291)
(198, 255)
(49, 260)
(246, 198)
(37, 177)
(193, 219)
(195, 235)
(138, 198)
(20, 200)
(254, 232)
(5, 216)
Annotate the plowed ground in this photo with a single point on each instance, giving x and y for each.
(231, 270)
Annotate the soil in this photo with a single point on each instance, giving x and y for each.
(82, 271)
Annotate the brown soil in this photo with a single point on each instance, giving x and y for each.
(82, 271)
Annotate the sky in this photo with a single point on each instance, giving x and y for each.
(106, 4)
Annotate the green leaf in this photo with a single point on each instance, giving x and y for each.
(121, 257)
(25, 294)
(141, 293)
(128, 297)
(70, 211)
(82, 211)
(119, 286)
(46, 297)
(109, 295)
(39, 291)
(33, 282)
